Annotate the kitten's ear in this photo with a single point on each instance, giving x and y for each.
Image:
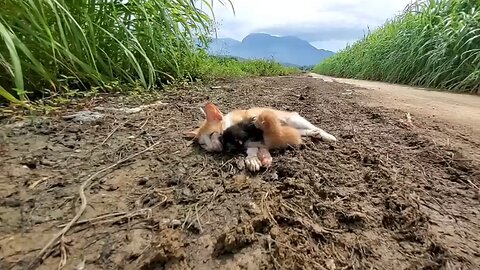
(213, 114)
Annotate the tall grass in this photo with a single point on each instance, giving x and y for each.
(45, 44)
(433, 44)
(214, 67)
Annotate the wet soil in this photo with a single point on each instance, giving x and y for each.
(387, 195)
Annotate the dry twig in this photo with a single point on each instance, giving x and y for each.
(112, 132)
(198, 218)
(96, 218)
(266, 209)
(34, 184)
(293, 250)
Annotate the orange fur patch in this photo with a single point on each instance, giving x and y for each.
(275, 135)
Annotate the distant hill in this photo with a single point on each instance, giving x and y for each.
(288, 50)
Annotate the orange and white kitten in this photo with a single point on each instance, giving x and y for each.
(208, 134)
(276, 136)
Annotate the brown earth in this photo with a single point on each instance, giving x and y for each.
(387, 195)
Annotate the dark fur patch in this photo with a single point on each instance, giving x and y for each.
(235, 137)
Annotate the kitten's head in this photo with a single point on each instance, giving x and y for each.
(209, 133)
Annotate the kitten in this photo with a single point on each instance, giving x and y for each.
(216, 123)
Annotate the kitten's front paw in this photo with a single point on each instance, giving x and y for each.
(252, 163)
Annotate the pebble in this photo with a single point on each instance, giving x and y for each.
(11, 202)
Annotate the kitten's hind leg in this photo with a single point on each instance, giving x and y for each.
(307, 129)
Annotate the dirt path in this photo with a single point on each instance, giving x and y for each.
(387, 195)
(457, 113)
(460, 110)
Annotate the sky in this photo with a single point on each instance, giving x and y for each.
(325, 24)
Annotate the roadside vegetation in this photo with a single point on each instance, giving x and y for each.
(51, 46)
(213, 67)
(432, 44)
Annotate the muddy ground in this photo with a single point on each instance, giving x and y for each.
(387, 195)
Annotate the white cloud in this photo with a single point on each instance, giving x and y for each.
(331, 24)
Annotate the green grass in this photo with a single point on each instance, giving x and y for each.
(213, 67)
(48, 45)
(434, 44)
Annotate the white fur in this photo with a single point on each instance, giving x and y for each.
(210, 143)
(307, 129)
(252, 162)
(227, 121)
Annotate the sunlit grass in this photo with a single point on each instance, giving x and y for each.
(49, 44)
(433, 44)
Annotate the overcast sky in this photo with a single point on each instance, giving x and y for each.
(325, 24)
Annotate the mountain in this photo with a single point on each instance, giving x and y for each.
(287, 50)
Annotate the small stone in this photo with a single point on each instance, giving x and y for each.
(80, 265)
(187, 192)
(150, 183)
(30, 162)
(72, 129)
(175, 223)
(240, 164)
(11, 202)
(274, 232)
(174, 180)
(142, 181)
(84, 116)
(47, 162)
(111, 187)
(330, 264)
(252, 208)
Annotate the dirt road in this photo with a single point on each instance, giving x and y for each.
(387, 195)
(459, 114)
(459, 110)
